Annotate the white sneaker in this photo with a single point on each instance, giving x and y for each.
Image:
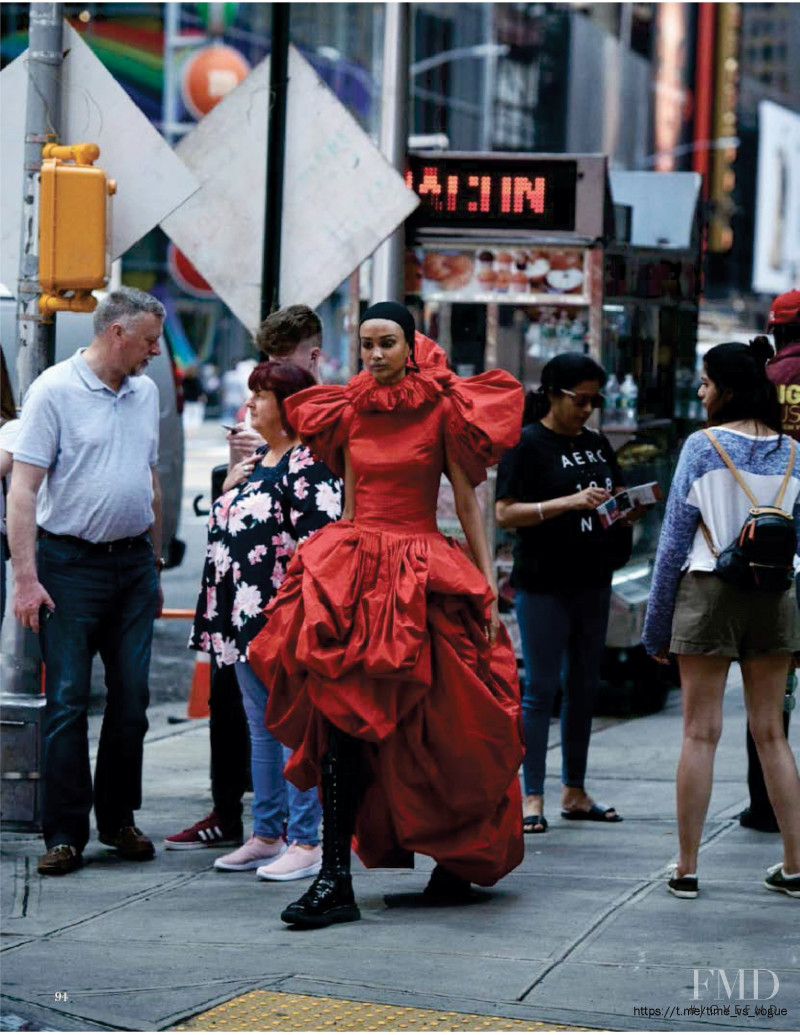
(296, 862)
(251, 855)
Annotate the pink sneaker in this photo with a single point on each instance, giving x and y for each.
(296, 862)
(251, 855)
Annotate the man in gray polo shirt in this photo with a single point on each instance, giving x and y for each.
(89, 440)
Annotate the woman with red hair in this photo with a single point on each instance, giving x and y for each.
(273, 501)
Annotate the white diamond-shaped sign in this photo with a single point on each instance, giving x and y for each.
(341, 196)
(151, 179)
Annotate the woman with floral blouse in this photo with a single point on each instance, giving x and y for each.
(273, 500)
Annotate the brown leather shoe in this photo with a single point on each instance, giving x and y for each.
(130, 843)
(58, 860)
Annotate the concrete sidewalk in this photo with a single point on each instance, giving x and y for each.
(583, 934)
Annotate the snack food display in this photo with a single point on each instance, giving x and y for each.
(538, 268)
(413, 272)
(518, 273)
(450, 270)
(565, 275)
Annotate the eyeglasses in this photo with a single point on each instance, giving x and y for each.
(581, 399)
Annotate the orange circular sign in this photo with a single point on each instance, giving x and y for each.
(209, 75)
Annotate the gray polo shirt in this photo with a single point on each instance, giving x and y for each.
(97, 446)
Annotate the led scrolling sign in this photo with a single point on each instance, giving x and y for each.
(493, 193)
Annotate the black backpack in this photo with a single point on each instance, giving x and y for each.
(762, 555)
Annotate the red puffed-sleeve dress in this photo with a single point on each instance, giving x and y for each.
(378, 627)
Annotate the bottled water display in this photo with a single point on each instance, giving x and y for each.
(611, 403)
(629, 402)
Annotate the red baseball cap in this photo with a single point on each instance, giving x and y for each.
(784, 309)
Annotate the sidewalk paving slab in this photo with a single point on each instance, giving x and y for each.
(582, 933)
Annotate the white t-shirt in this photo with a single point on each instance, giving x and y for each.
(8, 437)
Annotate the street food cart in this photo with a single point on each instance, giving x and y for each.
(514, 258)
(505, 256)
(504, 268)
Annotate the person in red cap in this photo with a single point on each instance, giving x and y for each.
(784, 369)
(784, 372)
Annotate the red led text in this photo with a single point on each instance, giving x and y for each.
(481, 194)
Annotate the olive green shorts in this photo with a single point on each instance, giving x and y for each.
(714, 618)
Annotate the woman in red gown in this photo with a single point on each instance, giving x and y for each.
(389, 671)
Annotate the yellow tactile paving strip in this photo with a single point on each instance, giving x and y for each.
(282, 1011)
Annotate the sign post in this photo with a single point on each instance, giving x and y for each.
(276, 158)
(37, 334)
(387, 264)
(21, 707)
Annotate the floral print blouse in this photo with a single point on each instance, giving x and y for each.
(253, 531)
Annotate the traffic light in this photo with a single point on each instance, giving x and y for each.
(74, 227)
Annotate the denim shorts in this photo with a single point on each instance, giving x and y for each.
(714, 618)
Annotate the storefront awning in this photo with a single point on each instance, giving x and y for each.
(664, 206)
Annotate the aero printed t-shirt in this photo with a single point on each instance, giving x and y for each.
(571, 550)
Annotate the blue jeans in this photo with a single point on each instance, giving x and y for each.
(274, 797)
(106, 604)
(559, 628)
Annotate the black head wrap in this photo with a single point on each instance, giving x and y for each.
(395, 312)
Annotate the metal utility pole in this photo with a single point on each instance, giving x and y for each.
(387, 263)
(37, 336)
(276, 153)
(21, 706)
(169, 95)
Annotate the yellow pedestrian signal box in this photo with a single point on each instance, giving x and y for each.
(74, 228)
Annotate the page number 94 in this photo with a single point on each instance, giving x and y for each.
(61, 997)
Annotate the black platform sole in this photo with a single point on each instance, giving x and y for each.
(338, 915)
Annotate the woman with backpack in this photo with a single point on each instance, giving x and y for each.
(710, 604)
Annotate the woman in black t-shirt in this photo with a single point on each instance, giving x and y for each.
(547, 489)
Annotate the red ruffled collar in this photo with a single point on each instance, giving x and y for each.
(418, 388)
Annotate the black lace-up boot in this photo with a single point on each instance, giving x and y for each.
(330, 898)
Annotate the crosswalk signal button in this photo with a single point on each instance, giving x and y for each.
(74, 227)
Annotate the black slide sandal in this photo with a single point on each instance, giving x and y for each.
(594, 814)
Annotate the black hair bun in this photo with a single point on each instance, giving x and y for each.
(761, 351)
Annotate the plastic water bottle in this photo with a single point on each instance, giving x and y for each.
(533, 340)
(683, 388)
(695, 409)
(611, 403)
(548, 335)
(563, 332)
(629, 402)
(577, 334)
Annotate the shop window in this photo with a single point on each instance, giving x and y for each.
(431, 89)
